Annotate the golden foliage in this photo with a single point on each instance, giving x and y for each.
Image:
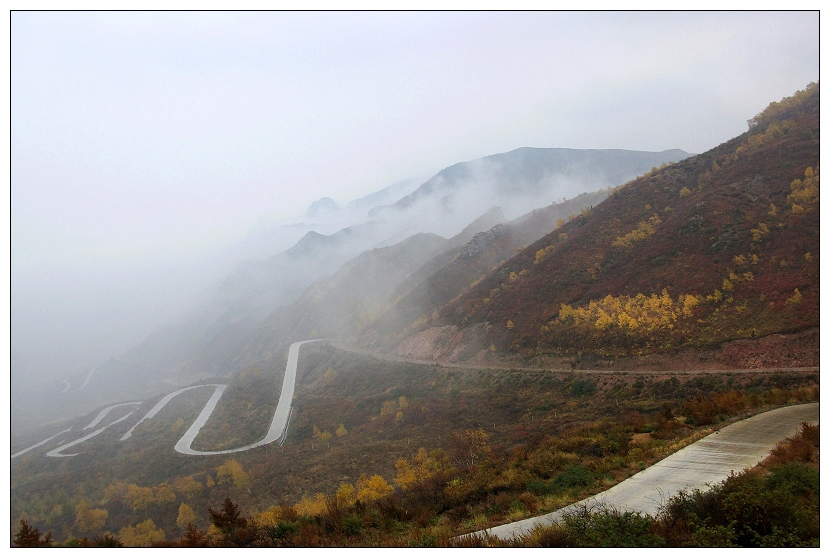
(424, 466)
(685, 192)
(341, 430)
(776, 108)
(346, 495)
(323, 436)
(644, 230)
(394, 407)
(372, 488)
(273, 515)
(773, 132)
(232, 472)
(115, 491)
(143, 534)
(542, 254)
(630, 314)
(186, 515)
(139, 497)
(330, 374)
(310, 507)
(163, 494)
(405, 476)
(804, 192)
(187, 485)
(795, 299)
(760, 232)
(89, 519)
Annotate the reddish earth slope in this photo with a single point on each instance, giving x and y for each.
(719, 247)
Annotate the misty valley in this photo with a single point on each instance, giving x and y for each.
(452, 359)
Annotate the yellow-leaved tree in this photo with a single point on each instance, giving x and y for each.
(185, 517)
(372, 488)
(232, 471)
(424, 466)
(143, 534)
(345, 495)
(187, 485)
(89, 519)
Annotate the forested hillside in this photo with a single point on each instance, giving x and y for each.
(718, 247)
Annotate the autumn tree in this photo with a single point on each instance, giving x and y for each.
(235, 528)
(372, 488)
(346, 495)
(423, 467)
(139, 497)
(89, 519)
(185, 517)
(406, 476)
(232, 471)
(29, 537)
(144, 534)
(804, 192)
(194, 538)
(187, 485)
(644, 230)
(163, 494)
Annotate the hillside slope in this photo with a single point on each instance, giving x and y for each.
(457, 270)
(718, 247)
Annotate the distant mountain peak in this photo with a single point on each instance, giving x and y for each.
(322, 207)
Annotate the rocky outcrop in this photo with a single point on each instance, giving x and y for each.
(444, 343)
(481, 241)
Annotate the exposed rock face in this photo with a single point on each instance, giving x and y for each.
(445, 343)
(481, 241)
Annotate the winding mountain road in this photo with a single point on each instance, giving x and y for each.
(104, 413)
(58, 452)
(37, 445)
(164, 401)
(706, 462)
(282, 414)
(278, 423)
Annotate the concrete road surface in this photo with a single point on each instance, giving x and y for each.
(706, 462)
(278, 423)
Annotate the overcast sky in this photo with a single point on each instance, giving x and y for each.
(140, 137)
